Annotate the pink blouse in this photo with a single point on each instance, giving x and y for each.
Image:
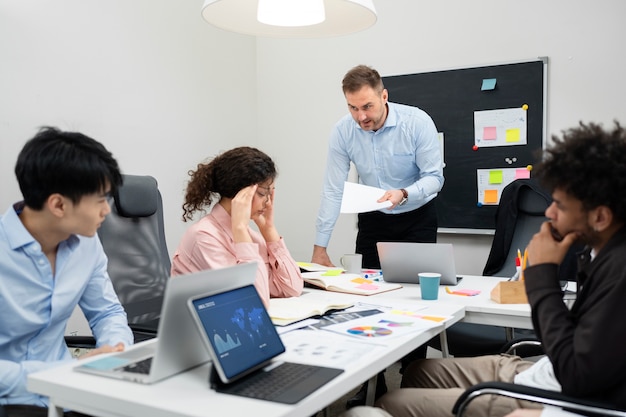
(208, 244)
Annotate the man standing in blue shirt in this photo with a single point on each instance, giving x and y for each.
(51, 260)
(393, 147)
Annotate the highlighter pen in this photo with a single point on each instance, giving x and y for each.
(373, 274)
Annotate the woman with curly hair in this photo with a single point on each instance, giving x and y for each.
(235, 187)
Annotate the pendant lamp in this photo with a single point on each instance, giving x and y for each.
(290, 18)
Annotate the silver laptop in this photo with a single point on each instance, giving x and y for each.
(243, 343)
(402, 261)
(179, 345)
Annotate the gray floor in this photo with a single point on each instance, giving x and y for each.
(392, 378)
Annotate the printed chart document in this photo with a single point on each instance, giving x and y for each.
(359, 198)
(331, 350)
(347, 283)
(387, 325)
(285, 311)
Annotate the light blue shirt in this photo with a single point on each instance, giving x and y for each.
(35, 305)
(403, 153)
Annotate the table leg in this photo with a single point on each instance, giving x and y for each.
(54, 411)
(371, 391)
(443, 340)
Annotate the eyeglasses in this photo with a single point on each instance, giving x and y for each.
(266, 195)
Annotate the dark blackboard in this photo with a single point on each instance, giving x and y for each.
(451, 97)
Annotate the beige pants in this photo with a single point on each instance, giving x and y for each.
(430, 387)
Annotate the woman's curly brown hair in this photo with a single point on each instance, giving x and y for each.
(224, 176)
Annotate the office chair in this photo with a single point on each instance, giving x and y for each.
(133, 239)
(546, 397)
(518, 218)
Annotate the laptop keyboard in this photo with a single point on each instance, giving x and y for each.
(269, 385)
(141, 367)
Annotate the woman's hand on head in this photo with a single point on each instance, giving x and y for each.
(265, 220)
(240, 208)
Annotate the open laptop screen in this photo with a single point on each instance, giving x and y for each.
(239, 330)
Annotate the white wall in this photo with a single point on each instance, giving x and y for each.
(163, 90)
(150, 79)
(300, 85)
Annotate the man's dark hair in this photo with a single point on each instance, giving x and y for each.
(361, 76)
(588, 163)
(68, 163)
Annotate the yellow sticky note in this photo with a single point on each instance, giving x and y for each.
(361, 281)
(332, 273)
(495, 176)
(433, 318)
(491, 196)
(512, 135)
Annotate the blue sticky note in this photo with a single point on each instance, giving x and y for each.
(106, 363)
(488, 84)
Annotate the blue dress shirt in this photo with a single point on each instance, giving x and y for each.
(404, 153)
(35, 305)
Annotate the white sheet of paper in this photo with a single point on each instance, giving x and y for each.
(358, 198)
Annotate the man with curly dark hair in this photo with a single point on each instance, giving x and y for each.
(237, 186)
(586, 172)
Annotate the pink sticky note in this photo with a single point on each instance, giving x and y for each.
(466, 292)
(522, 173)
(368, 287)
(490, 133)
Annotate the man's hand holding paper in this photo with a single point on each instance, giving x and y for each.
(358, 198)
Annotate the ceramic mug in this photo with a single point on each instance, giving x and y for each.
(352, 263)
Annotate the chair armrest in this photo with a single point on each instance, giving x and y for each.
(546, 397)
(529, 346)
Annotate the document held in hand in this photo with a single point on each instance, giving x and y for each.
(359, 198)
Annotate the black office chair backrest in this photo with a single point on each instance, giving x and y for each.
(133, 238)
(519, 216)
(531, 208)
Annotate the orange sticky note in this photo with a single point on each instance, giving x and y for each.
(491, 196)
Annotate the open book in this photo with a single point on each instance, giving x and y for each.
(284, 311)
(348, 283)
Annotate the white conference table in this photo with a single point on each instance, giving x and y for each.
(188, 394)
(479, 309)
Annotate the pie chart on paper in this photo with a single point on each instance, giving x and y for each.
(369, 331)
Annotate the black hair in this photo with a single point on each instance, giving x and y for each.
(588, 163)
(68, 163)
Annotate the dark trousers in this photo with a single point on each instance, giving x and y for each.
(18, 410)
(419, 226)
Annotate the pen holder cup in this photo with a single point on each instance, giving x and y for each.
(509, 292)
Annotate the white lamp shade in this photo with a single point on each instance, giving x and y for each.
(291, 12)
(341, 17)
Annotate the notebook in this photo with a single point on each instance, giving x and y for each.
(402, 261)
(243, 345)
(178, 346)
